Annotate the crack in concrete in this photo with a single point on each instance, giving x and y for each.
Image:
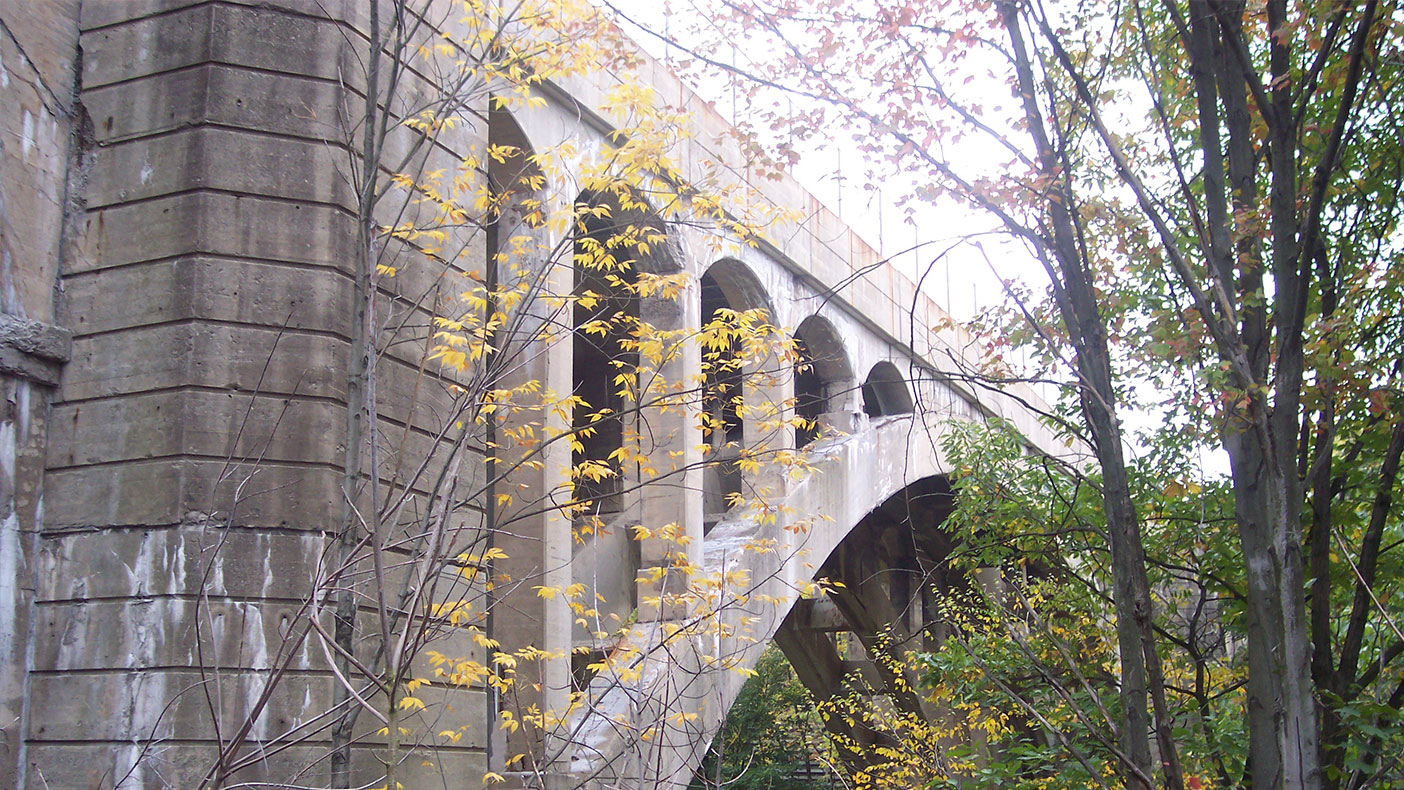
(57, 109)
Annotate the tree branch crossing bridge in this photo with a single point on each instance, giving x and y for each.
(179, 295)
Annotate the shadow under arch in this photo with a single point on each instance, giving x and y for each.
(514, 179)
(823, 376)
(885, 566)
(726, 285)
(616, 238)
(885, 392)
(515, 237)
(736, 286)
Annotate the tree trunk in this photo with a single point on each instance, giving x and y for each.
(344, 633)
(1075, 294)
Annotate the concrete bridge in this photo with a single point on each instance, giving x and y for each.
(871, 513)
(178, 229)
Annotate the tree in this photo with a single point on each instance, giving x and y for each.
(770, 734)
(1208, 186)
(476, 258)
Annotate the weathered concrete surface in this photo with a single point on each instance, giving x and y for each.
(23, 407)
(37, 49)
(33, 350)
(196, 399)
(102, 765)
(170, 509)
(153, 563)
(194, 450)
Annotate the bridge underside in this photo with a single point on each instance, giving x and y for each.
(878, 607)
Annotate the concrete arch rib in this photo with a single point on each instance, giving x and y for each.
(738, 286)
(649, 724)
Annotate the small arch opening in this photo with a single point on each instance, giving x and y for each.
(723, 430)
(612, 244)
(512, 233)
(885, 392)
(810, 399)
(727, 285)
(822, 375)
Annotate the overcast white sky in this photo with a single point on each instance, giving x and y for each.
(960, 280)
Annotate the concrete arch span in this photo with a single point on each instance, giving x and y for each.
(647, 721)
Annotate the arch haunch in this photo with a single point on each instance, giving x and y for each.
(687, 673)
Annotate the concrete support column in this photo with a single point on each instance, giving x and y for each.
(194, 444)
(535, 535)
(25, 389)
(557, 540)
(38, 49)
(674, 497)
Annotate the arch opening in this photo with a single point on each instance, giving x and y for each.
(723, 431)
(851, 507)
(618, 241)
(514, 235)
(728, 286)
(822, 376)
(885, 392)
(614, 240)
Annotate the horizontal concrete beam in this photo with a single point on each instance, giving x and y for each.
(819, 614)
(33, 350)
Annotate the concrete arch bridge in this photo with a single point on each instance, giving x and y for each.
(881, 382)
(178, 347)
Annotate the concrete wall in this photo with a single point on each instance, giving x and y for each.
(206, 295)
(195, 445)
(37, 62)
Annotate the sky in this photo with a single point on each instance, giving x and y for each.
(961, 279)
